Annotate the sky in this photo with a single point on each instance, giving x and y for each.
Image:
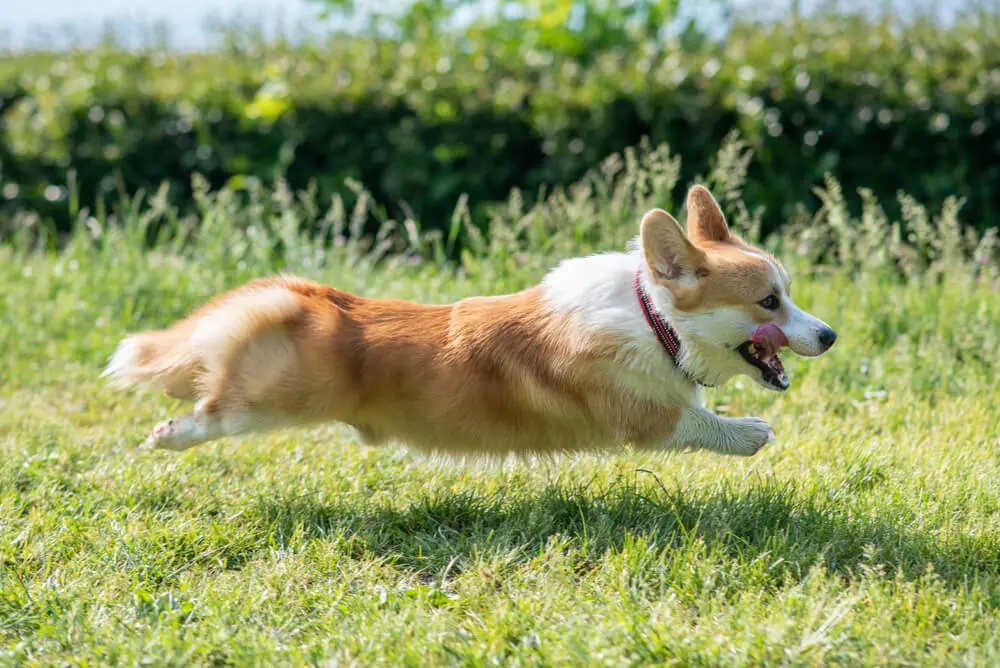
(37, 21)
(40, 22)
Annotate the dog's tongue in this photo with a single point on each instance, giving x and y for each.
(768, 339)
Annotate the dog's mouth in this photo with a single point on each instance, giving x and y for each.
(761, 351)
(772, 372)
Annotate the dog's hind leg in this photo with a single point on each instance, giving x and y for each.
(203, 425)
(182, 433)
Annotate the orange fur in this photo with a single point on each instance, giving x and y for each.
(487, 375)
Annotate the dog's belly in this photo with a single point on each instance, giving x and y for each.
(493, 440)
(477, 425)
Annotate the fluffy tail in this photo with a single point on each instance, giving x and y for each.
(198, 353)
(156, 360)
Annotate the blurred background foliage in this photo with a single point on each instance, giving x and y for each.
(421, 108)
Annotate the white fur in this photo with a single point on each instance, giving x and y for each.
(803, 330)
(123, 359)
(192, 429)
(182, 433)
(599, 290)
(700, 428)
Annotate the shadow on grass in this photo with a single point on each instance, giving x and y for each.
(428, 534)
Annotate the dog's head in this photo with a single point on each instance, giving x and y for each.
(729, 300)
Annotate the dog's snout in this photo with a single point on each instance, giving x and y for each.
(826, 337)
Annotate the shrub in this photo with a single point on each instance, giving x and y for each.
(893, 108)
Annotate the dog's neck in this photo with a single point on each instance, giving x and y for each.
(661, 327)
(599, 290)
(709, 360)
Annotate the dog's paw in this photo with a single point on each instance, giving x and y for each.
(162, 437)
(748, 435)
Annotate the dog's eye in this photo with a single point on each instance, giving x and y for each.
(770, 302)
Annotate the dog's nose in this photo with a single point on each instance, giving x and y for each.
(826, 337)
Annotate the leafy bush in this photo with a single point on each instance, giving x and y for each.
(267, 227)
(424, 119)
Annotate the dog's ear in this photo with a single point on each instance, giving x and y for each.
(670, 255)
(705, 220)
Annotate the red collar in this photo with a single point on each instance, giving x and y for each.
(664, 332)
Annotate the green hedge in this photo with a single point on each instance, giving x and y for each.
(890, 108)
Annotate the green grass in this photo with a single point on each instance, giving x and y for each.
(869, 533)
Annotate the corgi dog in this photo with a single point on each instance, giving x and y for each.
(607, 350)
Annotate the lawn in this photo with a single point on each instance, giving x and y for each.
(868, 533)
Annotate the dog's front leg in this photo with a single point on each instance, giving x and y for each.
(702, 429)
